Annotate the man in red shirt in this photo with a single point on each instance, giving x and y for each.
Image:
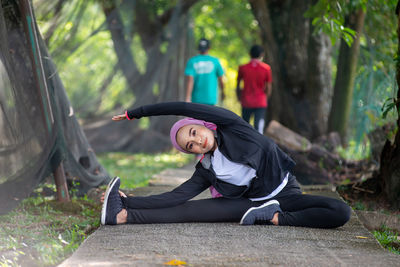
(257, 79)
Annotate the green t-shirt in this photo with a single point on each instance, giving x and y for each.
(205, 71)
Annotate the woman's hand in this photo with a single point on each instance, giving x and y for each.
(120, 117)
(121, 194)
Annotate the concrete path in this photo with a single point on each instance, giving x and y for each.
(228, 244)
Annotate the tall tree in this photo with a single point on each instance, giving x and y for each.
(346, 71)
(390, 158)
(122, 48)
(300, 63)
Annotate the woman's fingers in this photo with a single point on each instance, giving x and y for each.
(122, 194)
(102, 197)
(119, 117)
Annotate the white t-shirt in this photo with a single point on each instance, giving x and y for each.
(231, 172)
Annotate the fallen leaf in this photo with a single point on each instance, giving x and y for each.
(362, 237)
(175, 262)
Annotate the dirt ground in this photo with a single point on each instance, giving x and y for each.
(372, 206)
(368, 195)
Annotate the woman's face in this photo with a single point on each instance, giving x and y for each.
(196, 139)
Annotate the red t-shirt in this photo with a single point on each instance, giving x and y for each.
(255, 75)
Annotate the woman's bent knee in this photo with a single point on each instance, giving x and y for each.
(343, 213)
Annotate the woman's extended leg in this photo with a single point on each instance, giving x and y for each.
(313, 211)
(204, 210)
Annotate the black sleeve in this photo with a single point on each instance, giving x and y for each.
(186, 191)
(217, 115)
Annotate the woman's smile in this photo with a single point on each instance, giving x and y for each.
(205, 143)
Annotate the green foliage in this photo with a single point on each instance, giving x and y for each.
(388, 238)
(43, 232)
(376, 69)
(388, 105)
(375, 81)
(83, 52)
(359, 206)
(329, 17)
(73, 189)
(136, 169)
(231, 38)
(355, 150)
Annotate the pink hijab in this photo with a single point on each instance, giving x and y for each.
(183, 122)
(187, 121)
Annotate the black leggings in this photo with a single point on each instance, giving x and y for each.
(298, 210)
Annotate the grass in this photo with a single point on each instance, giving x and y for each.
(136, 169)
(388, 239)
(359, 206)
(44, 232)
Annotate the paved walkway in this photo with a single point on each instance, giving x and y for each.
(228, 244)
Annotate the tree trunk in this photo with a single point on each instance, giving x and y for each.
(390, 158)
(300, 65)
(346, 72)
(121, 45)
(319, 89)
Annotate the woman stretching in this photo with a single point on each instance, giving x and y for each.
(249, 176)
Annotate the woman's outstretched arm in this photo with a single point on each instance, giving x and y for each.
(186, 191)
(217, 115)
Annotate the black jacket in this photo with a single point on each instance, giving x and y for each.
(237, 140)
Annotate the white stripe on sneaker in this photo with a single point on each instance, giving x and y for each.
(104, 208)
(259, 207)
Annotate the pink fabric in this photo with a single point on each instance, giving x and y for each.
(214, 192)
(183, 122)
(187, 121)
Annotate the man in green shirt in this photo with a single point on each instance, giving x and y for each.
(204, 73)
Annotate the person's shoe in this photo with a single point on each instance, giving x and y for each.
(112, 203)
(263, 213)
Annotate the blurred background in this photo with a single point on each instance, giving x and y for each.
(114, 55)
(68, 66)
